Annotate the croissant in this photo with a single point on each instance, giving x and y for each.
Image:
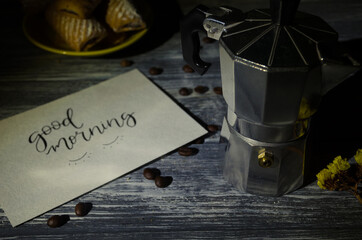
(122, 16)
(75, 8)
(78, 34)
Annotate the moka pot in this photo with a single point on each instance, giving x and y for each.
(276, 65)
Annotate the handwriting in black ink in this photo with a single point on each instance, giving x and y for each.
(38, 137)
(81, 133)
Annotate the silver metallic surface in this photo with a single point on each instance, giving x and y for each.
(276, 65)
(222, 19)
(214, 28)
(271, 99)
(242, 169)
(268, 133)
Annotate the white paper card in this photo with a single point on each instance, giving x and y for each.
(61, 150)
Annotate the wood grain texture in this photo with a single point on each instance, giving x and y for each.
(199, 204)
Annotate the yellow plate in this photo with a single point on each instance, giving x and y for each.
(36, 30)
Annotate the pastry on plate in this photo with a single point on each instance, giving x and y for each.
(122, 16)
(78, 34)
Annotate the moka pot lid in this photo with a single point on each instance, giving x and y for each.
(279, 37)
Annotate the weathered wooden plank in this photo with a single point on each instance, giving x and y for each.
(199, 204)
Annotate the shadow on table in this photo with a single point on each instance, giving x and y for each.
(337, 126)
(166, 17)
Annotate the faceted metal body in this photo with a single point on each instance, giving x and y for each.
(276, 65)
(272, 88)
(263, 109)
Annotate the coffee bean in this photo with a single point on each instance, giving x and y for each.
(218, 90)
(201, 89)
(163, 182)
(187, 151)
(82, 208)
(57, 220)
(155, 70)
(126, 63)
(188, 69)
(200, 140)
(185, 91)
(208, 40)
(212, 128)
(151, 173)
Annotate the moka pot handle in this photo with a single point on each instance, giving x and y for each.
(190, 27)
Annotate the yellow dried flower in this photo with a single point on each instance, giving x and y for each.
(336, 177)
(333, 168)
(323, 176)
(339, 164)
(358, 157)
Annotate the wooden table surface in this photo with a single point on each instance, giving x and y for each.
(199, 203)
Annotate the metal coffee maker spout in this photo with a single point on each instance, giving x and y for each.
(276, 65)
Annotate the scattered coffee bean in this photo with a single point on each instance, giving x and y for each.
(201, 89)
(208, 40)
(151, 173)
(57, 220)
(155, 70)
(187, 151)
(200, 140)
(218, 90)
(188, 69)
(126, 63)
(82, 208)
(185, 91)
(212, 128)
(163, 182)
